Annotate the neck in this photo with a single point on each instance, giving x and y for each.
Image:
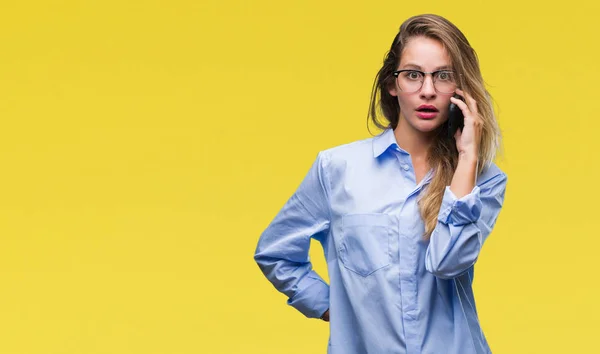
(415, 142)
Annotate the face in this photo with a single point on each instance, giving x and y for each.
(427, 55)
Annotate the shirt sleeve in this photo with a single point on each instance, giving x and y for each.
(463, 226)
(283, 247)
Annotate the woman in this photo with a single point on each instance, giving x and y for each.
(401, 216)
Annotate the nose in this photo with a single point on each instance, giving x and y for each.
(427, 90)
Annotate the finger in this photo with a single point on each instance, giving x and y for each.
(471, 103)
(462, 105)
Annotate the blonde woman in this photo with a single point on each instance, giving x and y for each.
(402, 216)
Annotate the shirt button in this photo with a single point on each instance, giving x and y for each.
(405, 167)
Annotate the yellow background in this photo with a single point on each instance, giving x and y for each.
(145, 145)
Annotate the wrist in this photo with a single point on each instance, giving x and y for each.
(465, 175)
(468, 157)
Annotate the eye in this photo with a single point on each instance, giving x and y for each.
(445, 76)
(413, 75)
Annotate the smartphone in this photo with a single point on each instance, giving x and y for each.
(456, 120)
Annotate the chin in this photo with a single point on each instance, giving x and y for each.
(427, 126)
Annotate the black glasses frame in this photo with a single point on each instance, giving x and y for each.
(424, 74)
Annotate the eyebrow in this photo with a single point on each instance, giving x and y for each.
(443, 67)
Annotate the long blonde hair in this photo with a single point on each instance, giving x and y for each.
(443, 156)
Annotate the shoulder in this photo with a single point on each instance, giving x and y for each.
(492, 179)
(489, 172)
(354, 151)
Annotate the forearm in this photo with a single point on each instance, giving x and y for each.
(465, 175)
(453, 249)
(283, 259)
(463, 225)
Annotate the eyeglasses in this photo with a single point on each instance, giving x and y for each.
(411, 80)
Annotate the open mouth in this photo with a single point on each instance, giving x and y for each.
(427, 109)
(427, 112)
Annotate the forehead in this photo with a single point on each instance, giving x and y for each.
(424, 53)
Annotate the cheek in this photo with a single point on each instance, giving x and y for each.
(405, 103)
(444, 109)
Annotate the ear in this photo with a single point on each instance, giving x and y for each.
(392, 89)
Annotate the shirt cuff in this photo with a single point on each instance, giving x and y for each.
(457, 212)
(313, 300)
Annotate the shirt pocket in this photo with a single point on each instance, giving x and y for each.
(365, 242)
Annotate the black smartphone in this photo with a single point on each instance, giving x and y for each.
(456, 120)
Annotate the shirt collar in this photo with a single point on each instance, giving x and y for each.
(383, 141)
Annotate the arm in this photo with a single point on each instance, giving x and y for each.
(282, 250)
(468, 212)
(463, 226)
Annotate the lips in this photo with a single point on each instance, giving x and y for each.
(427, 108)
(427, 111)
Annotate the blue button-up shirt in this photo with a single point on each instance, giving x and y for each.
(390, 290)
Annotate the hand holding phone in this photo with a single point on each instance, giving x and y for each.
(456, 119)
